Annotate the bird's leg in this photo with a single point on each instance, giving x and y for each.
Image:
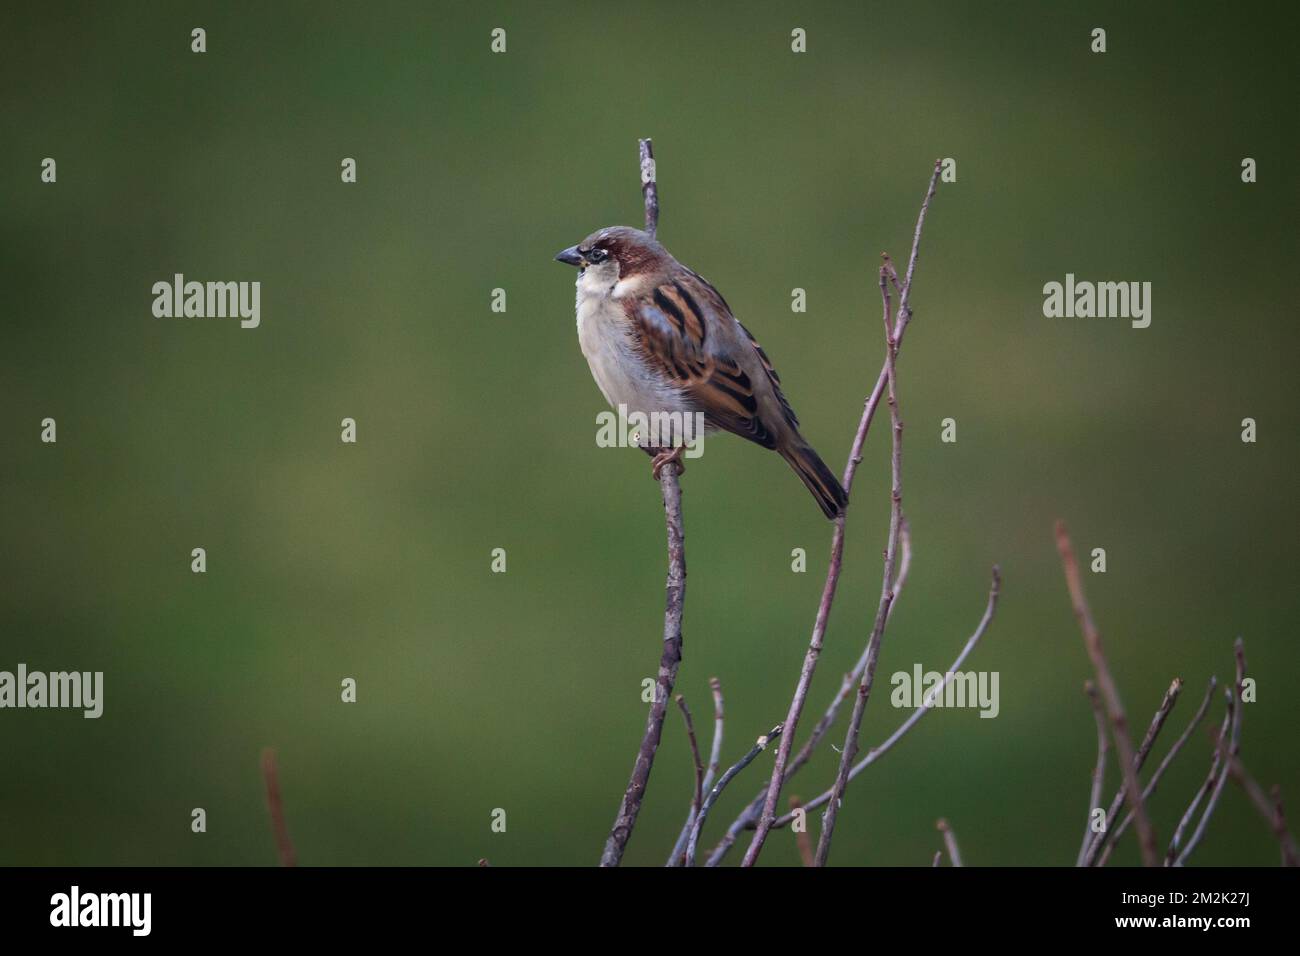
(663, 456)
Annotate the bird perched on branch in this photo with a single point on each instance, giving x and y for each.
(660, 339)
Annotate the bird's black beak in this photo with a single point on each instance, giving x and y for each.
(570, 256)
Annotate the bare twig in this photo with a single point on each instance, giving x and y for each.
(768, 812)
(852, 678)
(1205, 786)
(1150, 788)
(649, 186)
(678, 856)
(950, 842)
(850, 751)
(1098, 773)
(749, 816)
(1227, 752)
(892, 272)
(759, 746)
(275, 805)
(928, 702)
(716, 749)
(715, 752)
(1144, 750)
(674, 601)
(697, 796)
(1270, 809)
(1109, 695)
(668, 664)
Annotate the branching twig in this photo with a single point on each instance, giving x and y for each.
(1186, 819)
(773, 793)
(674, 601)
(1150, 788)
(1098, 773)
(749, 816)
(759, 746)
(852, 678)
(1226, 753)
(678, 856)
(886, 586)
(928, 702)
(1109, 696)
(1144, 750)
(275, 805)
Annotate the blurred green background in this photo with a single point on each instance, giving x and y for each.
(476, 429)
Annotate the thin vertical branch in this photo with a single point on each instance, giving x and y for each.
(1186, 820)
(949, 841)
(674, 602)
(1227, 752)
(768, 813)
(678, 856)
(697, 797)
(1109, 695)
(852, 678)
(850, 751)
(715, 752)
(649, 186)
(275, 806)
(1098, 773)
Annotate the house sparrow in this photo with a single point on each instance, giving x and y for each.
(660, 339)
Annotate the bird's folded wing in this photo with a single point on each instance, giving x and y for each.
(672, 325)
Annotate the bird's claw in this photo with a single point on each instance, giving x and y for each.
(664, 457)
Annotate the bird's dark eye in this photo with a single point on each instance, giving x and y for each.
(597, 255)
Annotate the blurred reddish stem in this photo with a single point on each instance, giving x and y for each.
(270, 773)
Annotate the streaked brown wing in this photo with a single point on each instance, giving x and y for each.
(671, 331)
(772, 377)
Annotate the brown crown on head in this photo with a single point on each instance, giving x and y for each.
(634, 250)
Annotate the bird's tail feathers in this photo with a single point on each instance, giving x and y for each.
(821, 481)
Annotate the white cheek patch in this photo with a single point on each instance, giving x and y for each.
(598, 280)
